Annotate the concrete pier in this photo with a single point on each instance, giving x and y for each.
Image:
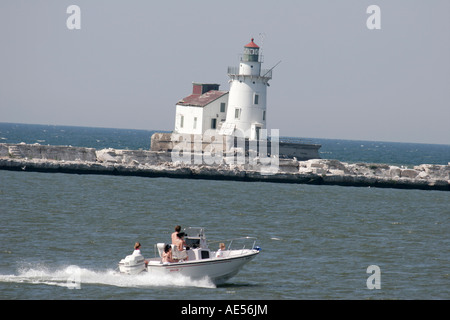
(66, 159)
(162, 141)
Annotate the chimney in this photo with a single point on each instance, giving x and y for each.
(201, 88)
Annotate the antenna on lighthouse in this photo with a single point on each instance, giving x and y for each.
(262, 36)
(272, 68)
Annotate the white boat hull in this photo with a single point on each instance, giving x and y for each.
(196, 262)
(218, 270)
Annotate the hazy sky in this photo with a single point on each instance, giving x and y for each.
(131, 61)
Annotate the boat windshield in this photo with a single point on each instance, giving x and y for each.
(195, 237)
(194, 232)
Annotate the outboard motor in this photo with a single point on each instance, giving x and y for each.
(132, 264)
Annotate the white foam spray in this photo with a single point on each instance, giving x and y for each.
(74, 277)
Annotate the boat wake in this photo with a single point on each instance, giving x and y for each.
(74, 277)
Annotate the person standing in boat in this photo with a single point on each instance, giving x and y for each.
(174, 234)
(181, 246)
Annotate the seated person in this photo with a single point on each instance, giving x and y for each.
(167, 254)
(219, 253)
(137, 251)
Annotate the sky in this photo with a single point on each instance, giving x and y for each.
(131, 61)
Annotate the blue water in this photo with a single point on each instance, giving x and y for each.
(408, 154)
(317, 241)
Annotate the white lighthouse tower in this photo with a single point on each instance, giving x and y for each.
(246, 110)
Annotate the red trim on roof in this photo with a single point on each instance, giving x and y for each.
(252, 45)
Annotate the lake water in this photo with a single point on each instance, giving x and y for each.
(408, 154)
(317, 241)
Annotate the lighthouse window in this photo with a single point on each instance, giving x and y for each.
(256, 99)
(237, 113)
(213, 123)
(222, 107)
(195, 122)
(181, 121)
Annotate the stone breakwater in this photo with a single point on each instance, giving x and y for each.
(67, 159)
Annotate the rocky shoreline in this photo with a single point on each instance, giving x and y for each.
(77, 160)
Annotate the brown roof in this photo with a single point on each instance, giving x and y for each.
(201, 100)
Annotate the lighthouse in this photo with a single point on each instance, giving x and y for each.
(246, 110)
(212, 119)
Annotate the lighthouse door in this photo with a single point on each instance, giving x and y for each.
(257, 132)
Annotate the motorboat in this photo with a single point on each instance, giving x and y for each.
(198, 261)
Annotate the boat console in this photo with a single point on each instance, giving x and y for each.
(195, 237)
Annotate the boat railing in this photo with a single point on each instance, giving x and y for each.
(232, 244)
